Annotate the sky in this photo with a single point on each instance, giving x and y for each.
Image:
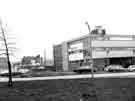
(37, 25)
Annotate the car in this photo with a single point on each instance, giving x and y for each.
(23, 70)
(114, 68)
(85, 69)
(131, 68)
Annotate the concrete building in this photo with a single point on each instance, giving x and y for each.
(102, 50)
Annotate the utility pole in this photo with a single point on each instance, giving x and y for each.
(90, 49)
(10, 83)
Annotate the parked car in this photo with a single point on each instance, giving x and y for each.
(23, 70)
(114, 68)
(131, 68)
(85, 69)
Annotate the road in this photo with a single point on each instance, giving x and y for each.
(102, 75)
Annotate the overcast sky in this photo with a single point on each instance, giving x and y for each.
(39, 24)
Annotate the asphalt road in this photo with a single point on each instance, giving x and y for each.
(100, 75)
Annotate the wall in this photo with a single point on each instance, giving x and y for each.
(100, 89)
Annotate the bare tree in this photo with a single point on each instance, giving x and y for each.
(6, 50)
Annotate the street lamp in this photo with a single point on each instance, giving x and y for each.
(90, 49)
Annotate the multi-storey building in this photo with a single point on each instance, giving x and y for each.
(103, 50)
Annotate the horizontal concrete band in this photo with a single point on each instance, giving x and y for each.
(109, 75)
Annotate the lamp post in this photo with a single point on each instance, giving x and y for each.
(90, 49)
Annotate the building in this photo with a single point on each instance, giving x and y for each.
(103, 50)
(4, 66)
(32, 60)
(3, 63)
